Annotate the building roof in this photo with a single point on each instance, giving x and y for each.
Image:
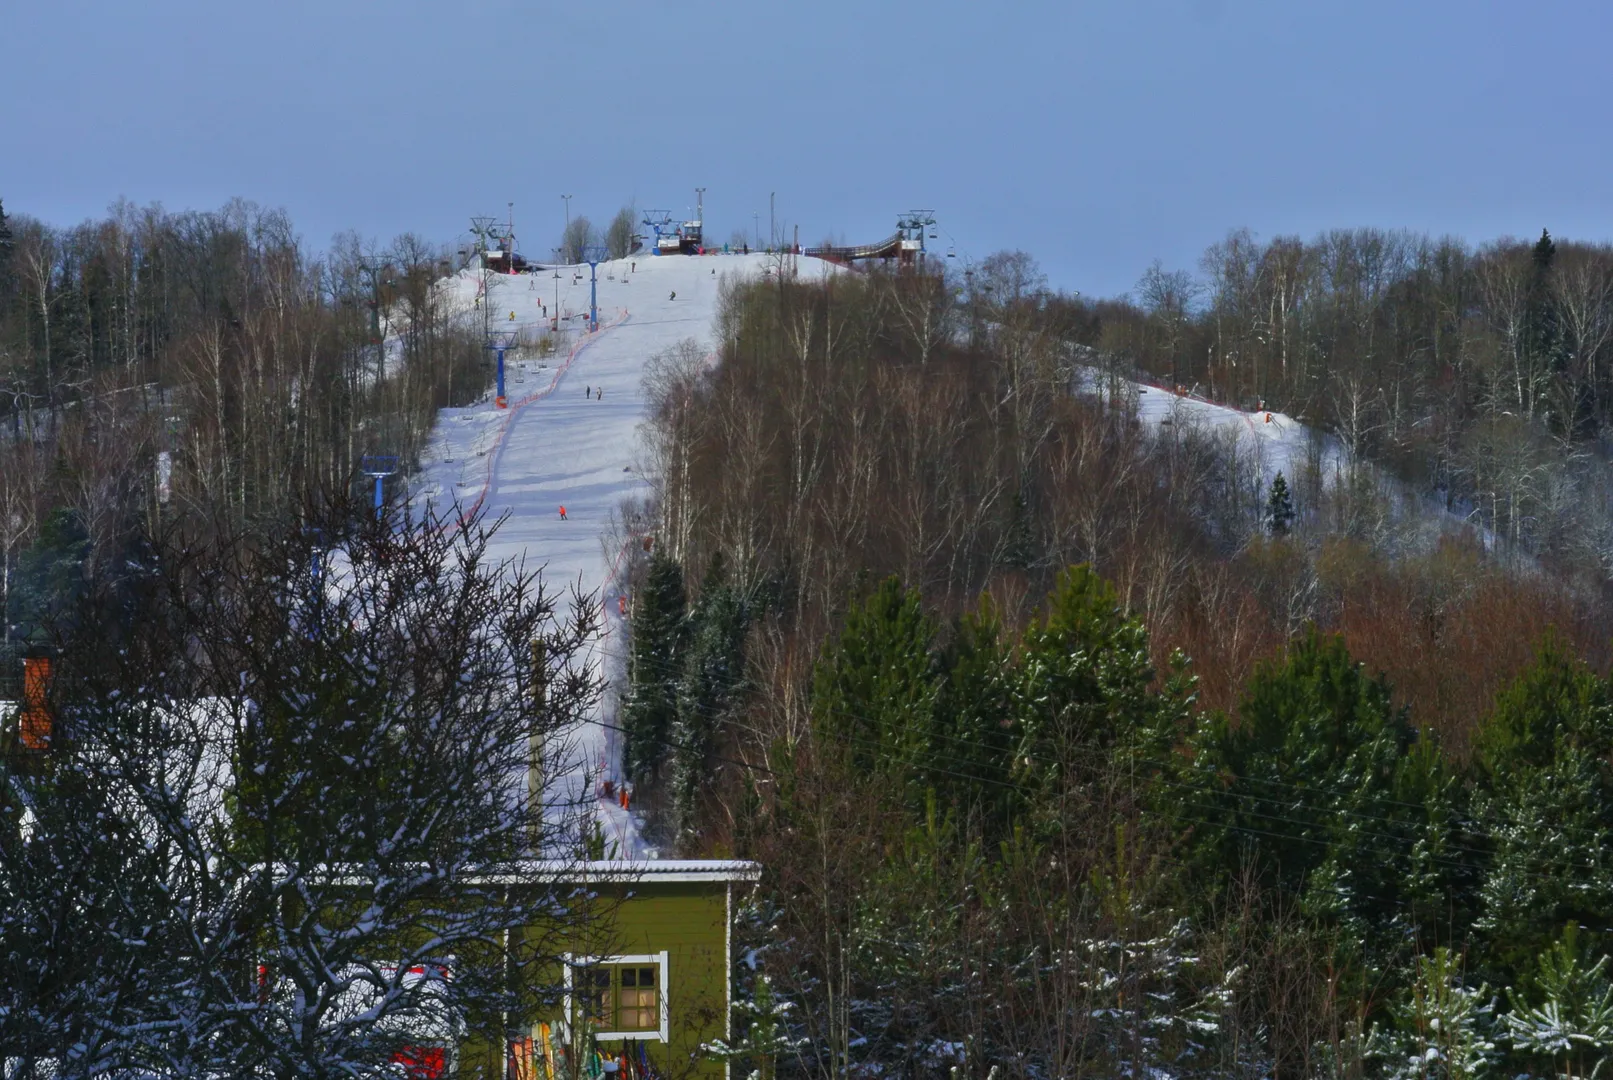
(648, 871)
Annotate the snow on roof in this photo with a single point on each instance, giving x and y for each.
(656, 871)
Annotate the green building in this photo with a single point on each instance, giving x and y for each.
(645, 983)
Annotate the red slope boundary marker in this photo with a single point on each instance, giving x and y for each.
(497, 449)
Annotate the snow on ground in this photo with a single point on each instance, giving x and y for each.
(568, 438)
(1273, 442)
(1279, 443)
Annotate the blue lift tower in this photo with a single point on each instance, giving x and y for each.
(498, 341)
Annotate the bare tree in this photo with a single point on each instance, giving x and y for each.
(619, 235)
(285, 756)
(578, 236)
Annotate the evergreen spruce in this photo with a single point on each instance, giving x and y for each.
(49, 575)
(7, 243)
(657, 655)
(1542, 329)
(1019, 541)
(1279, 507)
(709, 689)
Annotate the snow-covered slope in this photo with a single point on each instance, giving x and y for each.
(1269, 442)
(1277, 441)
(568, 439)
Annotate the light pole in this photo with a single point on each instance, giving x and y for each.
(565, 237)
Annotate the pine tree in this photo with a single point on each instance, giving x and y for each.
(1567, 1019)
(1544, 790)
(1446, 1025)
(875, 690)
(976, 716)
(658, 629)
(1279, 507)
(1323, 780)
(1086, 681)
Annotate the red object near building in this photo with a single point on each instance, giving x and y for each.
(422, 1062)
(34, 726)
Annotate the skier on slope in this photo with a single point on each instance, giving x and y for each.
(562, 513)
(674, 295)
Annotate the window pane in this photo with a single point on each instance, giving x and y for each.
(629, 977)
(646, 976)
(639, 1010)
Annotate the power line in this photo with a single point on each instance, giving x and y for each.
(878, 750)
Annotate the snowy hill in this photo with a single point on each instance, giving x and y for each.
(568, 439)
(1268, 442)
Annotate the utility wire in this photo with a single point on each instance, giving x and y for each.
(880, 751)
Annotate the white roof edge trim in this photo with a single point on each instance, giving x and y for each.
(668, 871)
(557, 871)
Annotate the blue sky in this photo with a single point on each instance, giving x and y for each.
(1095, 135)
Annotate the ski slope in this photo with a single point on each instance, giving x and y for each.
(569, 438)
(1269, 442)
(1277, 442)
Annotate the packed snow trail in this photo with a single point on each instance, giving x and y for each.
(569, 440)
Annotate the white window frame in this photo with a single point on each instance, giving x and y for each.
(574, 961)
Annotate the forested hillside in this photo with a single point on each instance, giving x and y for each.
(1068, 753)
(220, 339)
(1483, 375)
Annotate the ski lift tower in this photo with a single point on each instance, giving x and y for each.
(668, 238)
(593, 255)
(911, 228)
(485, 228)
(498, 341)
(379, 467)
